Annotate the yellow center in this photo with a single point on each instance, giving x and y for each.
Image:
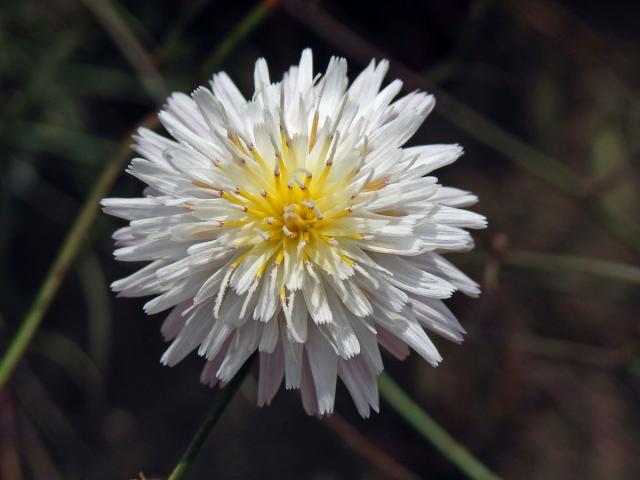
(293, 205)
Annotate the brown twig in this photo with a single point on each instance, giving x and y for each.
(385, 463)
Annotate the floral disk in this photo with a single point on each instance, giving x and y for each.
(297, 225)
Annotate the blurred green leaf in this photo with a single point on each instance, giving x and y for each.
(573, 263)
(609, 159)
(74, 361)
(97, 298)
(75, 145)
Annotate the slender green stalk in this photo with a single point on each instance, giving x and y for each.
(66, 255)
(222, 400)
(133, 51)
(618, 224)
(431, 431)
(249, 23)
(525, 156)
(573, 263)
(78, 232)
(519, 152)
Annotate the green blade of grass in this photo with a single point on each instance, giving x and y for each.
(78, 231)
(429, 429)
(222, 401)
(574, 263)
(67, 253)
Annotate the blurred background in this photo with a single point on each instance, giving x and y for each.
(543, 95)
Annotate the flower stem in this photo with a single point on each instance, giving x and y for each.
(78, 232)
(249, 23)
(133, 51)
(573, 263)
(66, 255)
(430, 430)
(525, 156)
(221, 402)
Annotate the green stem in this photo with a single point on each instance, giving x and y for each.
(526, 157)
(219, 406)
(78, 232)
(244, 27)
(573, 263)
(519, 152)
(133, 51)
(68, 252)
(619, 225)
(431, 431)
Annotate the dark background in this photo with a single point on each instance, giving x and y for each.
(546, 385)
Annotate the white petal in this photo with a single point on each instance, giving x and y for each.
(367, 84)
(438, 265)
(222, 327)
(240, 349)
(392, 344)
(368, 340)
(435, 316)
(454, 197)
(430, 158)
(175, 321)
(268, 300)
(305, 70)
(457, 217)
(361, 383)
(308, 389)
(135, 208)
(228, 94)
(443, 237)
(261, 75)
(323, 364)
(269, 340)
(183, 291)
(293, 353)
(406, 275)
(208, 375)
(189, 337)
(339, 330)
(316, 300)
(407, 329)
(270, 377)
(296, 317)
(141, 283)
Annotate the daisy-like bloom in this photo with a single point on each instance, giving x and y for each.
(297, 225)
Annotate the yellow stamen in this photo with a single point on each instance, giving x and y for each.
(256, 212)
(257, 157)
(280, 256)
(234, 138)
(231, 198)
(347, 260)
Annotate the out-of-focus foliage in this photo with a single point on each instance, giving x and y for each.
(547, 384)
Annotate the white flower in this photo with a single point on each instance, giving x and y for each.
(295, 224)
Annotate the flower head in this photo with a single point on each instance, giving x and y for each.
(296, 224)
